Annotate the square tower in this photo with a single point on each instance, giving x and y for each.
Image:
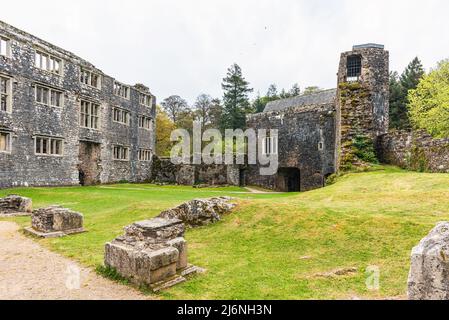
(362, 95)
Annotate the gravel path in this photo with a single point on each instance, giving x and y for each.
(29, 271)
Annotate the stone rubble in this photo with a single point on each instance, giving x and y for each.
(14, 205)
(200, 212)
(154, 252)
(151, 252)
(428, 278)
(55, 221)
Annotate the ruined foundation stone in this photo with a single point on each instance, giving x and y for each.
(55, 221)
(151, 252)
(14, 205)
(428, 278)
(200, 212)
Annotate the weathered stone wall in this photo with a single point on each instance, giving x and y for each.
(307, 142)
(363, 105)
(414, 150)
(28, 119)
(164, 171)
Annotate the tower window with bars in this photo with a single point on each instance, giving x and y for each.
(354, 68)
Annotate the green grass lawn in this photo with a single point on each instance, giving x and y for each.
(257, 252)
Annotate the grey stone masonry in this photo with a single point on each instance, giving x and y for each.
(200, 212)
(362, 96)
(14, 205)
(55, 221)
(151, 252)
(307, 148)
(429, 270)
(65, 122)
(414, 150)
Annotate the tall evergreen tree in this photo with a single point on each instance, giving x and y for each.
(295, 90)
(399, 89)
(216, 113)
(412, 75)
(259, 104)
(272, 92)
(235, 99)
(397, 109)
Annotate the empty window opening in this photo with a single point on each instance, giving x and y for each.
(90, 78)
(121, 153)
(320, 146)
(89, 117)
(270, 146)
(145, 99)
(121, 116)
(121, 90)
(354, 68)
(145, 155)
(5, 49)
(47, 62)
(5, 94)
(5, 142)
(48, 96)
(48, 146)
(145, 123)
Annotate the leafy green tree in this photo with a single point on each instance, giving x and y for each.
(203, 106)
(173, 106)
(164, 127)
(312, 89)
(235, 99)
(429, 102)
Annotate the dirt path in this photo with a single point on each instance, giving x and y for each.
(28, 271)
(257, 191)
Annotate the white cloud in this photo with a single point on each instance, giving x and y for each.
(184, 47)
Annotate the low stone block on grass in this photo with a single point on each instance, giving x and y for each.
(428, 278)
(55, 221)
(14, 205)
(151, 252)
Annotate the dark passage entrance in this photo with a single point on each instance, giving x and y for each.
(289, 180)
(242, 177)
(90, 159)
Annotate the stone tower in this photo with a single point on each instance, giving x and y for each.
(362, 96)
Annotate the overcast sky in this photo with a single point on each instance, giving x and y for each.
(184, 47)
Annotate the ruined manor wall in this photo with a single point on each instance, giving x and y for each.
(414, 150)
(164, 171)
(307, 142)
(26, 119)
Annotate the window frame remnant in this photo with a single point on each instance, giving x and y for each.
(120, 153)
(48, 146)
(5, 142)
(89, 115)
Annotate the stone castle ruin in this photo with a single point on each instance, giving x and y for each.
(316, 130)
(65, 122)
